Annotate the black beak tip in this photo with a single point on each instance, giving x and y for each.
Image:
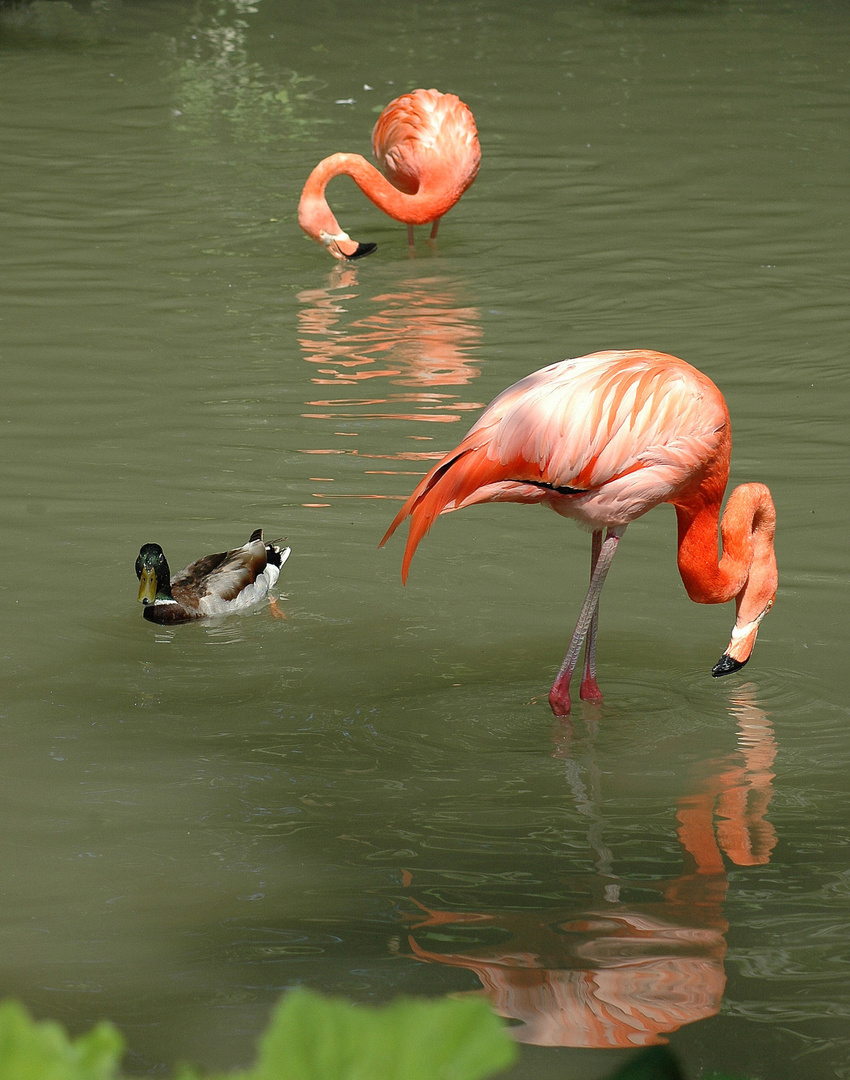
(363, 249)
(726, 666)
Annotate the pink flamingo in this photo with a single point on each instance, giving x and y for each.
(603, 439)
(427, 146)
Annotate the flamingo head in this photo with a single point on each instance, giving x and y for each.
(748, 528)
(741, 645)
(758, 594)
(317, 220)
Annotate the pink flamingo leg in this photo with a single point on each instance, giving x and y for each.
(410, 235)
(589, 687)
(434, 228)
(559, 695)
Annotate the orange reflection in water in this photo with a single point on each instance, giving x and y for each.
(417, 338)
(621, 974)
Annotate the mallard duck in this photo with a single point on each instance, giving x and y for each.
(215, 585)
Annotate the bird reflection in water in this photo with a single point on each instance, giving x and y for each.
(408, 346)
(418, 336)
(616, 973)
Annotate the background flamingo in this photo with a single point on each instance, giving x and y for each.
(427, 146)
(602, 439)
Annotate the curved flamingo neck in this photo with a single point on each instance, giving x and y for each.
(746, 532)
(424, 206)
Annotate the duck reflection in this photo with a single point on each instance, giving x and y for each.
(622, 972)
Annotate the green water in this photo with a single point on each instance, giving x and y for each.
(371, 797)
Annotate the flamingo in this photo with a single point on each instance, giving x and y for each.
(603, 439)
(426, 144)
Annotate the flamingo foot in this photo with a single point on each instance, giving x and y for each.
(590, 690)
(559, 698)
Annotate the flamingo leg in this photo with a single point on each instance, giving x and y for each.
(589, 687)
(434, 228)
(410, 235)
(559, 695)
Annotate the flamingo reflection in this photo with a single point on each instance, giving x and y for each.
(415, 341)
(417, 336)
(620, 973)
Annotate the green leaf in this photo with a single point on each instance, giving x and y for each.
(316, 1038)
(43, 1051)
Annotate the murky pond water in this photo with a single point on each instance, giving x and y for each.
(371, 797)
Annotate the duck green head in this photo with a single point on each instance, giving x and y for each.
(153, 574)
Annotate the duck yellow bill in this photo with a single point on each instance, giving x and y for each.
(147, 586)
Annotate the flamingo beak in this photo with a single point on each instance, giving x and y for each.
(362, 249)
(726, 665)
(341, 246)
(740, 647)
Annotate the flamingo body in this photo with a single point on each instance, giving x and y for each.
(426, 144)
(603, 439)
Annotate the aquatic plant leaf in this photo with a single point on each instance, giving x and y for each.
(31, 1050)
(316, 1038)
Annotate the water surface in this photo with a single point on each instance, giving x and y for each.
(371, 797)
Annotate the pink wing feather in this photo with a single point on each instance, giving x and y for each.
(601, 438)
(424, 138)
